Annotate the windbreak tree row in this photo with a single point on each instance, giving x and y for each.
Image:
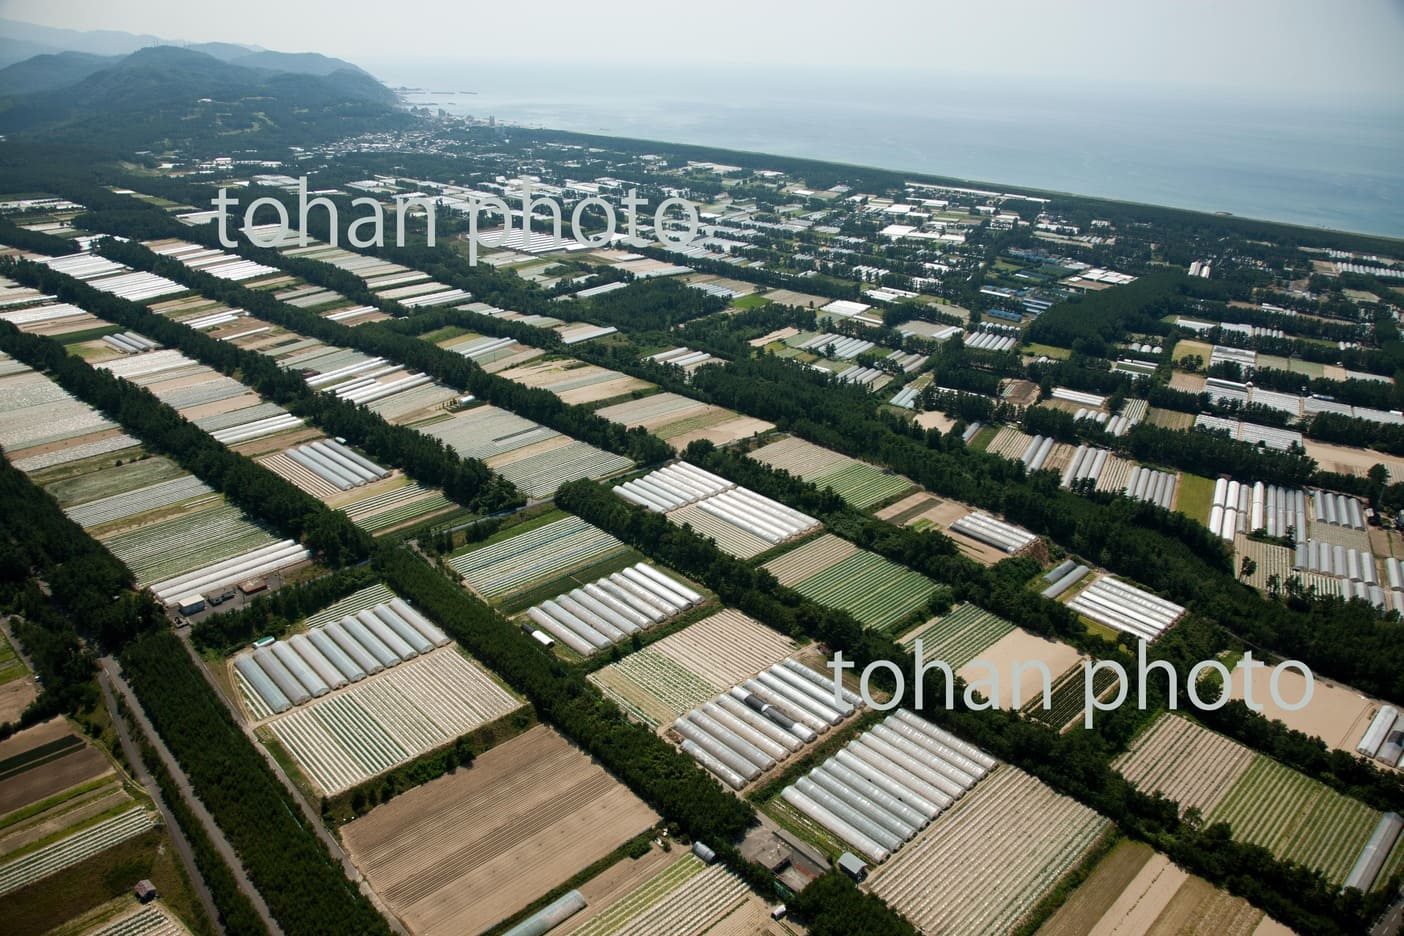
(451, 369)
(259, 492)
(300, 881)
(425, 459)
(1077, 764)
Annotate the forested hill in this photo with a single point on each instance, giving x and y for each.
(165, 94)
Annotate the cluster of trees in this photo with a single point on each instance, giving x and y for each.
(236, 911)
(302, 884)
(86, 588)
(652, 305)
(39, 242)
(1094, 322)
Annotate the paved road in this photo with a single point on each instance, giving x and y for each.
(1393, 920)
(111, 680)
(310, 813)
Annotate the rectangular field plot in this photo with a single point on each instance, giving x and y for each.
(186, 542)
(542, 554)
(982, 866)
(877, 592)
(352, 735)
(857, 482)
(574, 382)
(540, 473)
(1126, 608)
(687, 669)
(1135, 889)
(960, 636)
(678, 420)
(1293, 816)
(687, 898)
(1190, 764)
(462, 852)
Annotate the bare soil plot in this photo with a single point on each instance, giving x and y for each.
(1020, 392)
(1020, 648)
(464, 851)
(1352, 461)
(1136, 890)
(935, 420)
(1188, 383)
(38, 762)
(733, 430)
(780, 334)
(1337, 714)
(15, 697)
(792, 298)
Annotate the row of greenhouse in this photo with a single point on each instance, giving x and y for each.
(885, 786)
(680, 484)
(1126, 608)
(997, 533)
(611, 609)
(310, 665)
(1384, 739)
(1152, 486)
(337, 464)
(747, 730)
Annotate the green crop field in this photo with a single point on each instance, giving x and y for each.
(961, 636)
(1296, 818)
(878, 593)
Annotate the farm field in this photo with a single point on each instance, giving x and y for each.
(691, 667)
(1337, 714)
(42, 425)
(460, 853)
(857, 482)
(531, 555)
(353, 734)
(575, 383)
(686, 898)
(393, 504)
(922, 511)
(60, 803)
(959, 636)
(17, 687)
(963, 876)
(1135, 889)
(1067, 698)
(175, 545)
(678, 420)
(877, 592)
(1023, 649)
(1293, 816)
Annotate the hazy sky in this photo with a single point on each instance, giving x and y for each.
(1302, 47)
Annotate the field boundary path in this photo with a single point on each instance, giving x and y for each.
(111, 681)
(310, 814)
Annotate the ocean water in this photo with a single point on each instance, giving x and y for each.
(1323, 164)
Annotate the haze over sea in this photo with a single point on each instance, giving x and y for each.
(1318, 162)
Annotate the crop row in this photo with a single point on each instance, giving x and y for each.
(1188, 763)
(876, 591)
(541, 474)
(181, 544)
(985, 864)
(517, 562)
(1296, 818)
(70, 850)
(962, 635)
(689, 901)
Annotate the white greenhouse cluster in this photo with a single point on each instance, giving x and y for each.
(215, 262)
(1243, 508)
(990, 341)
(1063, 576)
(681, 484)
(750, 728)
(1338, 510)
(240, 568)
(885, 786)
(683, 357)
(997, 533)
(1384, 738)
(836, 346)
(1152, 486)
(856, 374)
(607, 611)
(1037, 452)
(337, 464)
(115, 278)
(306, 666)
(1126, 608)
(129, 343)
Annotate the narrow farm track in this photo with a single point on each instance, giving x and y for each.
(112, 682)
